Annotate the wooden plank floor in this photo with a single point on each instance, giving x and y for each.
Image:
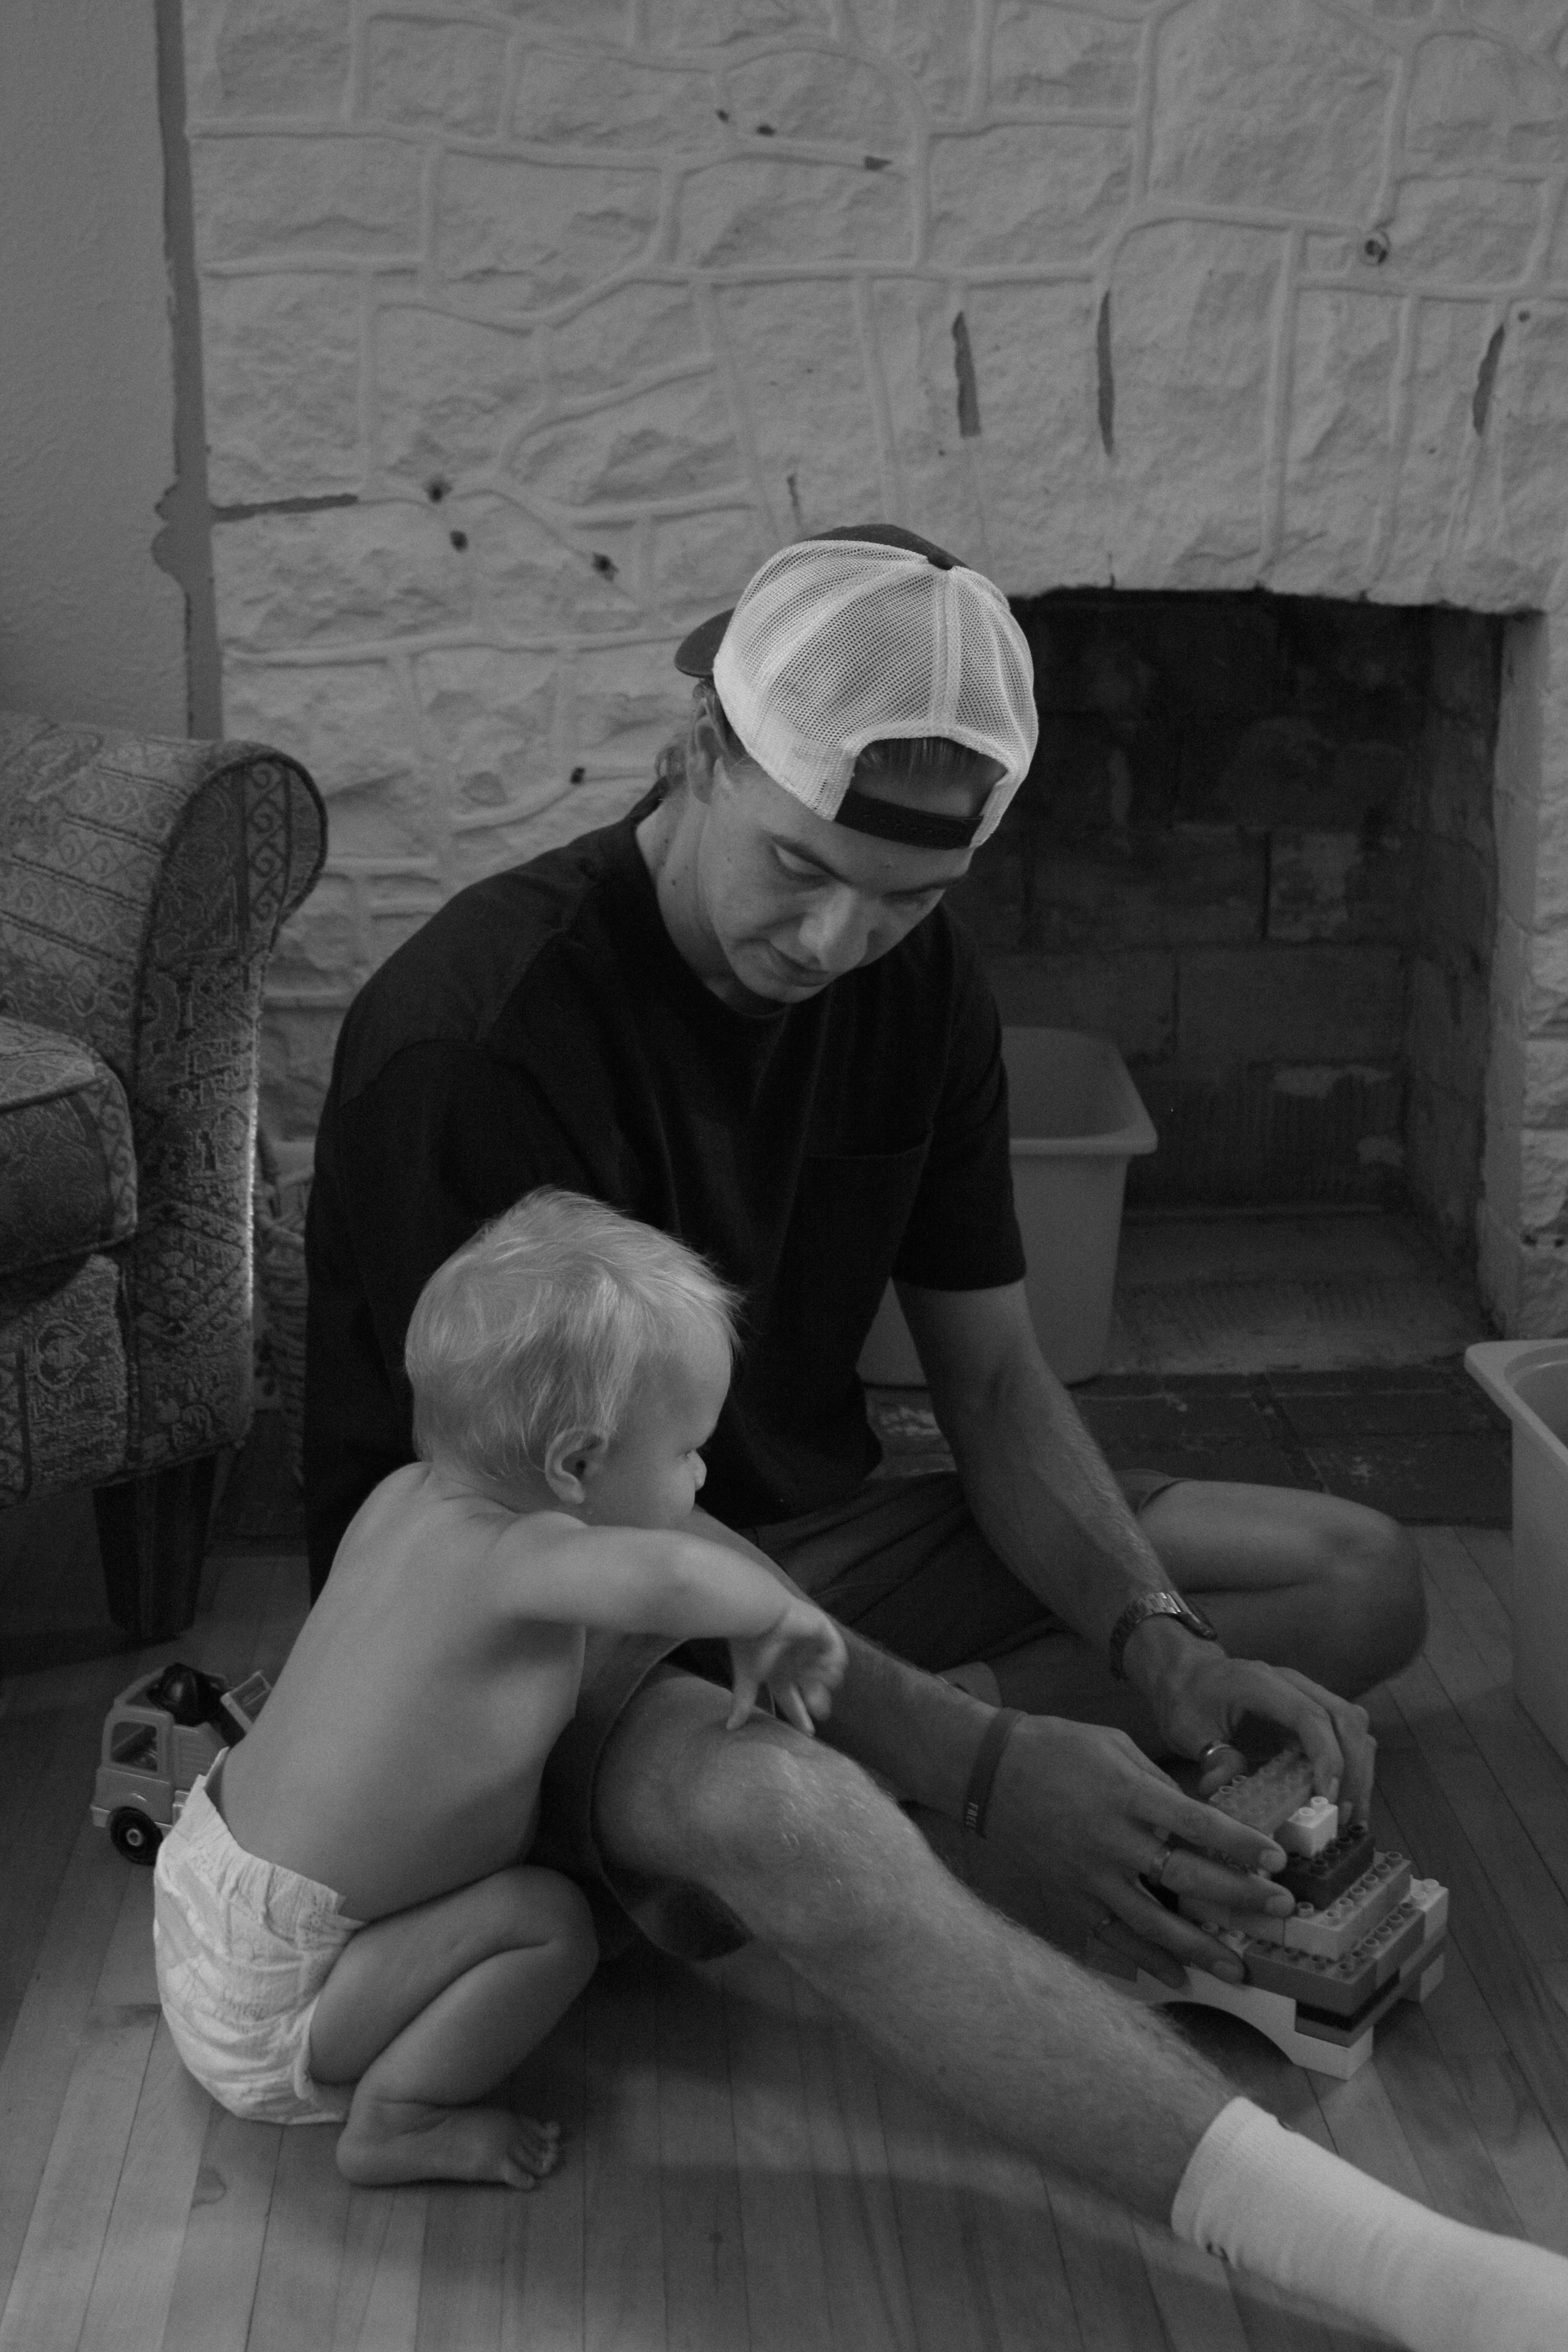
(739, 2172)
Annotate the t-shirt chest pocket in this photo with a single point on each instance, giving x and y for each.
(849, 1213)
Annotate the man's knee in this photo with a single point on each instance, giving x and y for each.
(1369, 1571)
(768, 1821)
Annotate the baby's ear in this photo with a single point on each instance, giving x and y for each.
(571, 1463)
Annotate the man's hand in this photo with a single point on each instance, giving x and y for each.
(1199, 1697)
(1089, 1817)
(800, 1659)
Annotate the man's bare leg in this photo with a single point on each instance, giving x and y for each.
(823, 1868)
(1297, 1580)
(804, 1848)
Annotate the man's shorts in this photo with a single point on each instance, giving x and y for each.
(243, 1949)
(902, 1562)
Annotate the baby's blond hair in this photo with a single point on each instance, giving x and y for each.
(543, 1324)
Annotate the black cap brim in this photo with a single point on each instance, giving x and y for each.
(696, 654)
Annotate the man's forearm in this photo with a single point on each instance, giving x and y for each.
(1047, 1503)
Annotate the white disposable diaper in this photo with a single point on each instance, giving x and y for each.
(243, 1949)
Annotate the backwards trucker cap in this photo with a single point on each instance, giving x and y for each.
(862, 634)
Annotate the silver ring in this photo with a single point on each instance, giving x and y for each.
(1165, 1865)
(1214, 1748)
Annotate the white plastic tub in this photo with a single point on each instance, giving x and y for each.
(1529, 1379)
(1077, 1120)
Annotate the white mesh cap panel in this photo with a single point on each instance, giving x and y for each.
(838, 643)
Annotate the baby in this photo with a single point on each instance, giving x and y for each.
(343, 1921)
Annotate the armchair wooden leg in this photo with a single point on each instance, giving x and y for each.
(151, 1534)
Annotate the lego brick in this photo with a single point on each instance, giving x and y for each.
(1263, 1800)
(1330, 1934)
(1320, 1879)
(1339, 1987)
(1310, 1827)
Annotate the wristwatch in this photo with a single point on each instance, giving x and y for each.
(1154, 1604)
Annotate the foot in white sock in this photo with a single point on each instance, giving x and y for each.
(1282, 2207)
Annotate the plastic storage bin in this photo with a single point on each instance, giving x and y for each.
(1077, 1120)
(1529, 1379)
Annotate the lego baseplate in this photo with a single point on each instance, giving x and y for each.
(1322, 2013)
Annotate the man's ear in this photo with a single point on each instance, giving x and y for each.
(704, 750)
(572, 1462)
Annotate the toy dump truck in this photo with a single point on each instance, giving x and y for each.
(160, 1735)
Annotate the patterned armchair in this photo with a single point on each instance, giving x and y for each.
(143, 884)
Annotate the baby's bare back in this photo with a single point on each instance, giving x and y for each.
(400, 1753)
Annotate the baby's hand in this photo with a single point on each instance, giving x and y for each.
(801, 1658)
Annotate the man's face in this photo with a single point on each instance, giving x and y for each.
(790, 901)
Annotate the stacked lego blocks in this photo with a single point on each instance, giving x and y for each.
(1366, 1932)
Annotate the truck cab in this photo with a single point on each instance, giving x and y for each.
(160, 1737)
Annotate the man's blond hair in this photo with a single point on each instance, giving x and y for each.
(542, 1326)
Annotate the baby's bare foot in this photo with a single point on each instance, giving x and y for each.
(395, 2141)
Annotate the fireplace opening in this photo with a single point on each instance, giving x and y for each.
(1257, 850)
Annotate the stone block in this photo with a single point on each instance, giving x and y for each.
(699, 563)
(1515, 523)
(512, 234)
(591, 97)
(448, 395)
(796, 351)
(1269, 105)
(318, 944)
(545, 586)
(443, 76)
(606, 345)
(817, 94)
(1540, 1304)
(1021, 191)
(1543, 1182)
(348, 574)
(1472, 100)
(1032, 350)
(1443, 1160)
(298, 1043)
(626, 703)
(1532, 23)
(1453, 907)
(1468, 230)
(1189, 342)
(759, 208)
(1277, 771)
(1052, 57)
(268, 57)
(481, 848)
(1128, 997)
(280, 358)
(1321, 1004)
(935, 41)
(488, 724)
(705, 24)
(1269, 1133)
(1449, 341)
(1332, 886)
(1196, 886)
(400, 816)
(348, 722)
(293, 195)
(1545, 1082)
(1338, 440)
(912, 328)
(672, 440)
(1449, 1029)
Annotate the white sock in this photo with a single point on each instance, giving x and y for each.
(1278, 2205)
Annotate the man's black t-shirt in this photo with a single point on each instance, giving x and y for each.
(543, 1028)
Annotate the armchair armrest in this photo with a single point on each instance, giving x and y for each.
(142, 886)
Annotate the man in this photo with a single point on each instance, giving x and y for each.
(742, 1014)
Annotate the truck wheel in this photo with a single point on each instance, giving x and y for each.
(134, 1836)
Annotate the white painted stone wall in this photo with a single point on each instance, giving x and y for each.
(529, 330)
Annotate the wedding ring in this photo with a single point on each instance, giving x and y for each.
(1206, 1755)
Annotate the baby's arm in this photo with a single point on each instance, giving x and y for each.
(653, 1580)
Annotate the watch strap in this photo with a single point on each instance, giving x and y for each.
(1144, 1605)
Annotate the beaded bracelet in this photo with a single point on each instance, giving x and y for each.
(982, 1771)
